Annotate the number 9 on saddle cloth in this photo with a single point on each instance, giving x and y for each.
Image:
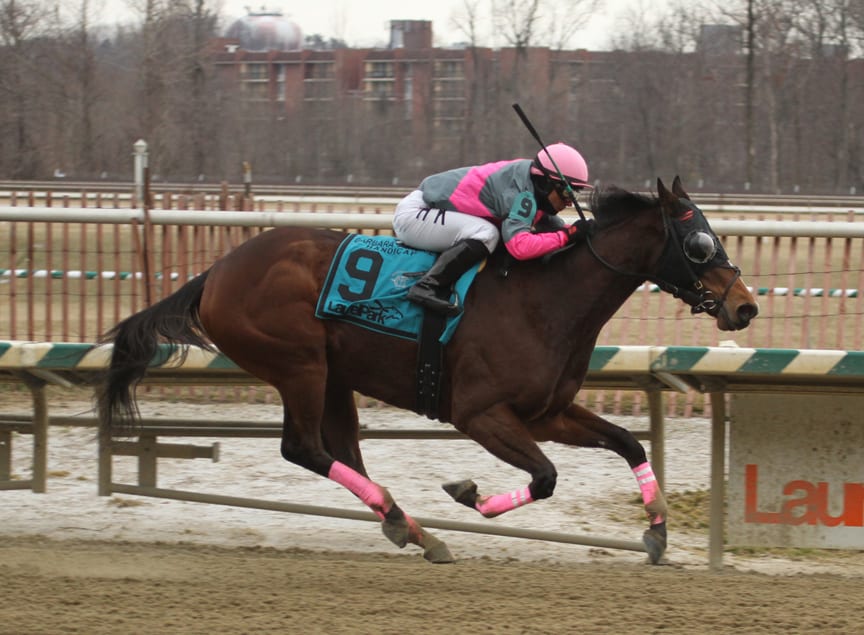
(368, 280)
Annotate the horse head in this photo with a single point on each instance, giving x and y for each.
(688, 261)
(695, 266)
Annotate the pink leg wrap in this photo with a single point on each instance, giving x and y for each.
(364, 489)
(648, 484)
(491, 506)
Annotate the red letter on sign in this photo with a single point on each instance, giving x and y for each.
(813, 502)
(751, 502)
(854, 507)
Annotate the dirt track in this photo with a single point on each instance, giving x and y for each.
(73, 562)
(106, 587)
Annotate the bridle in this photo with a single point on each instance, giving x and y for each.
(674, 262)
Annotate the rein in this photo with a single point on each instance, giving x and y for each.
(700, 299)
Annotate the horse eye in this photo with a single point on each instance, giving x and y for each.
(699, 247)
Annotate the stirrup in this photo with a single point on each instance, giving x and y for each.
(427, 298)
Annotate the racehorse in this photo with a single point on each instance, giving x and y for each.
(513, 366)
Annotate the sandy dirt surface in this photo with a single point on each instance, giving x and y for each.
(119, 587)
(73, 562)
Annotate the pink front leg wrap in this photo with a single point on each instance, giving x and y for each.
(648, 484)
(364, 489)
(491, 506)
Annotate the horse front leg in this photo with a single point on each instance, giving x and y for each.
(579, 426)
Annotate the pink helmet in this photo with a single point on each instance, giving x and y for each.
(568, 160)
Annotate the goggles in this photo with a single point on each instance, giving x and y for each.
(564, 193)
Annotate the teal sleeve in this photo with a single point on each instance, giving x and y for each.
(521, 216)
(523, 209)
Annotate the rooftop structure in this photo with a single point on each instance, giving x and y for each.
(266, 31)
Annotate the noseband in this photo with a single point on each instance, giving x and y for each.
(694, 293)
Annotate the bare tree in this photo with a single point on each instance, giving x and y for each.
(562, 20)
(788, 111)
(827, 28)
(679, 27)
(516, 21)
(466, 20)
(19, 21)
(768, 26)
(83, 76)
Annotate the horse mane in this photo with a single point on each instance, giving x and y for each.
(612, 205)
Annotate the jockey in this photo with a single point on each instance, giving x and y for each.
(464, 212)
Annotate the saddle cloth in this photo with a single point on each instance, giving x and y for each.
(367, 283)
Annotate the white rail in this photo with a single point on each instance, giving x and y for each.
(353, 220)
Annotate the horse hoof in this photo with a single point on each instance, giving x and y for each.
(464, 492)
(655, 542)
(436, 551)
(396, 530)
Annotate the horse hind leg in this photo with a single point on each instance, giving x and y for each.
(396, 525)
(340, 460)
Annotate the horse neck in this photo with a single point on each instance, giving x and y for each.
(603, 291)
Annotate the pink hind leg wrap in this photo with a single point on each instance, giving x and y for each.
(648, 484)
(364, 489)
(491, 506)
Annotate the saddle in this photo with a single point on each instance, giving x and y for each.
(367, 284)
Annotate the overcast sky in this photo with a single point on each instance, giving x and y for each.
(366, 22)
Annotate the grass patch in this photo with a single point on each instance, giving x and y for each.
(688, 510)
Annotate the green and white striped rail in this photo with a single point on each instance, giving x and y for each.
(77, 274)
(729, 368)
(728, 359)
(610, 365)
(80, 356)
(71, 363)
(758, 361)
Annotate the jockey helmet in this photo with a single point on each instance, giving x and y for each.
(568, 160)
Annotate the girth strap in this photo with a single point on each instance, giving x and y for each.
(430, 364)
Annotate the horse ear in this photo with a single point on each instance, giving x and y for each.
(678, 189)
(665, 195)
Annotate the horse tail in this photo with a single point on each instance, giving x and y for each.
(175, 321)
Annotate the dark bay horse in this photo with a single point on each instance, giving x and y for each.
(513, 366)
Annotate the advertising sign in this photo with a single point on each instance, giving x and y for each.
(796, 471)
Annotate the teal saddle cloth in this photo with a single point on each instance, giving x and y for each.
(367, 284)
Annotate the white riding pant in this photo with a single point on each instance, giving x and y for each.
(418, 226)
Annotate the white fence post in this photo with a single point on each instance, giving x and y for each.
(140, 155)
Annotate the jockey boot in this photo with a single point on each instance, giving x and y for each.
(432, 291)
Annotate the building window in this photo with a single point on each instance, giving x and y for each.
(255, 72)
(380, 70)
(449, 69)
(378, 90)
(448, 89)
(318, 70)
